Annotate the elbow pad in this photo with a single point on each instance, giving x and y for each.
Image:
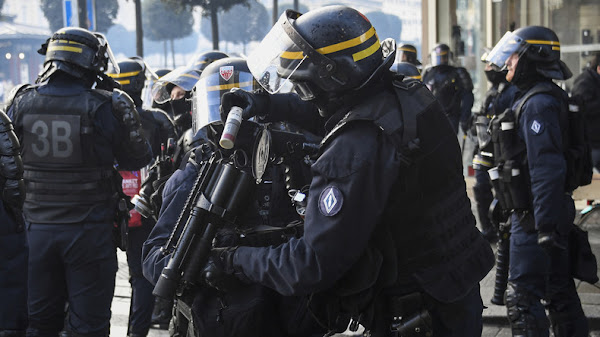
(124, 110)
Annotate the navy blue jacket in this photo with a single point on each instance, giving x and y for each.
(540, 126)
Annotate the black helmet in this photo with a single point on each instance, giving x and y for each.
(216, 79)
(162, 72)
(539, 49)
(201, 61)
(332, 49)
(407, 69)
(408, 53)
(132, 75)
(440, 55)
(76, 51)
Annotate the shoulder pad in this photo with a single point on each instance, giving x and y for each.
(121, 101)
(465, 78)
(14, 92)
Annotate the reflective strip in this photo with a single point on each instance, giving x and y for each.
(442, 53)
(199, 62)
(229, 86)
(408, 49)
(129, 74)
(555, 44)
(124, 81)
(67, 41)
(367, 52)
(416, 77)
(298, 55)
(190, 75)
(66, 48)
(479, 160)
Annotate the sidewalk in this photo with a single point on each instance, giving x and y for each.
(494, 317)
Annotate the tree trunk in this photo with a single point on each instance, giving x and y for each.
(173, 52)
(139, 32)
(214, 22)
(275, 12)
(165, 52)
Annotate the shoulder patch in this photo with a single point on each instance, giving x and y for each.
(536, 127)
(330, 201)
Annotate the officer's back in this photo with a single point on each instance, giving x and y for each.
(71, 135)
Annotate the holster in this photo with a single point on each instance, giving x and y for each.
(410, 316)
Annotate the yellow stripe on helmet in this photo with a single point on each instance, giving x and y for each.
(367, 52)
(190, 75)
(298, 55)
(229, 86)
(66, 48)
(407, 49)
(121, 75)
(555, 44)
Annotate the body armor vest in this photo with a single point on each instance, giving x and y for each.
(427, 234)
(510, 176)
(64, 179)
(444, 82)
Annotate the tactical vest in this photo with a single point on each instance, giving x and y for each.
(427, 234)
(63, 176)
(510, 177)
(444, 82)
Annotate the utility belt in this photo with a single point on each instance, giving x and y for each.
(410, 316)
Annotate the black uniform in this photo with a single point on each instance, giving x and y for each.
(587, 88)
(369, 214)
(13, 241)
(70, 146)
(453, 87)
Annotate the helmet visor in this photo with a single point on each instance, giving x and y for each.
(109, 54)
(183, 77)
(206, 97)
(276, 59)
(508, 44)
(439, 57)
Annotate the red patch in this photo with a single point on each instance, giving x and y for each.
(226, 72)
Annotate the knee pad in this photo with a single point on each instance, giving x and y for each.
(522, 321)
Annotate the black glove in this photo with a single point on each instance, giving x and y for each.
(550, 241)
(253, 104)
(218, 272)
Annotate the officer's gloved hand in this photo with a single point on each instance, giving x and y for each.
(218, 272)
(550, 241)
(253, 104)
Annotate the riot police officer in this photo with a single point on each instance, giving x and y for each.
(389, 237)
(13, 241)
(586, 88)
(499, 97)
(533, 138)
(245, 310)
(158, 128)
(451, 85)
(70, 137)
(408, 53)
